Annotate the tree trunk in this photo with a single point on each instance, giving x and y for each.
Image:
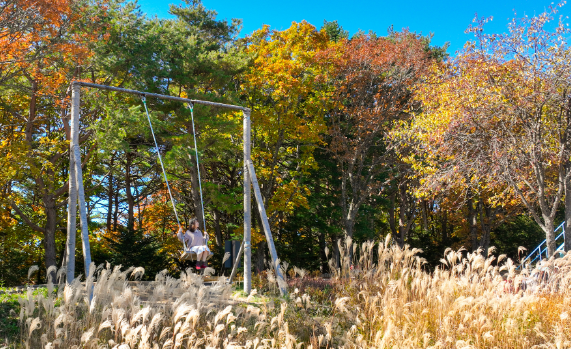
(344, 198)
(550, 235)
(392, 218)
(217, 228)
(350, 220)
(402, 218)
(336, 253)
(110, 204)
(472, 221)
(487, 218)
(130, 200)
(64, 253)
(567, 226)
(445, 227)
(424, 210)
(48, 200)
(110, 196)
(49, 236)
(116, 210)
(139, 211)
(322, 256)
(406, 214)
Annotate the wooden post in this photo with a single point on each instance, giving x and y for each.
(75, 97)
(236, 262)
(266, 225)
(247, 206)
(71, 201)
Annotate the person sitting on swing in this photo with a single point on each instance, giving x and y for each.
(196, 242)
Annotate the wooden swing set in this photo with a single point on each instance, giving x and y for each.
(76, 190)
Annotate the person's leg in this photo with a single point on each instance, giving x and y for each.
(199, 260)
(204, 258)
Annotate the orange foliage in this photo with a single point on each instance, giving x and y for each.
(159, 218)
(373, 77)
(38, 38)
(288, 102)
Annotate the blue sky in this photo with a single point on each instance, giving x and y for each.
(447, 20)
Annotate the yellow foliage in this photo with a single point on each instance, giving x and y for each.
(288, 103)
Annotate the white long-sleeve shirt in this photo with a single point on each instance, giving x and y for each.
(191, 239)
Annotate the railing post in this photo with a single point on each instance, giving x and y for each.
(566, 248)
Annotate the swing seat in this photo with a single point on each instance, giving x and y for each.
(188, 255)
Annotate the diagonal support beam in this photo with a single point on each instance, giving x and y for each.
(236, 262)
(266, 225)
(71, 219)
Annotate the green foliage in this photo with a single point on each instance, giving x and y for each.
(18, 251)
(310, 229)
(9, 310)
(520, 231)
(335, 31)
(120, 127)
(432, 248)
(134, 248)
(12, 263)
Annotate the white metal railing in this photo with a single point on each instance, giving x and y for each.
(540, 252)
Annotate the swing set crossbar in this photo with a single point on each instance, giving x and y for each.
(156, 95)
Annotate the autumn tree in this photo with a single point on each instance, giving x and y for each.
(41, 49)
(498, 116)
(282, 88)
(373, 79)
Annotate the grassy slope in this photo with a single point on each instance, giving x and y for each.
(9, 310)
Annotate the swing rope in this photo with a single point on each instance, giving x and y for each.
(191, 106)
(162, 166)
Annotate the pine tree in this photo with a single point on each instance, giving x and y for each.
(133, 248)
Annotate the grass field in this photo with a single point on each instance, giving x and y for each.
(9, 308)
(386, 300)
